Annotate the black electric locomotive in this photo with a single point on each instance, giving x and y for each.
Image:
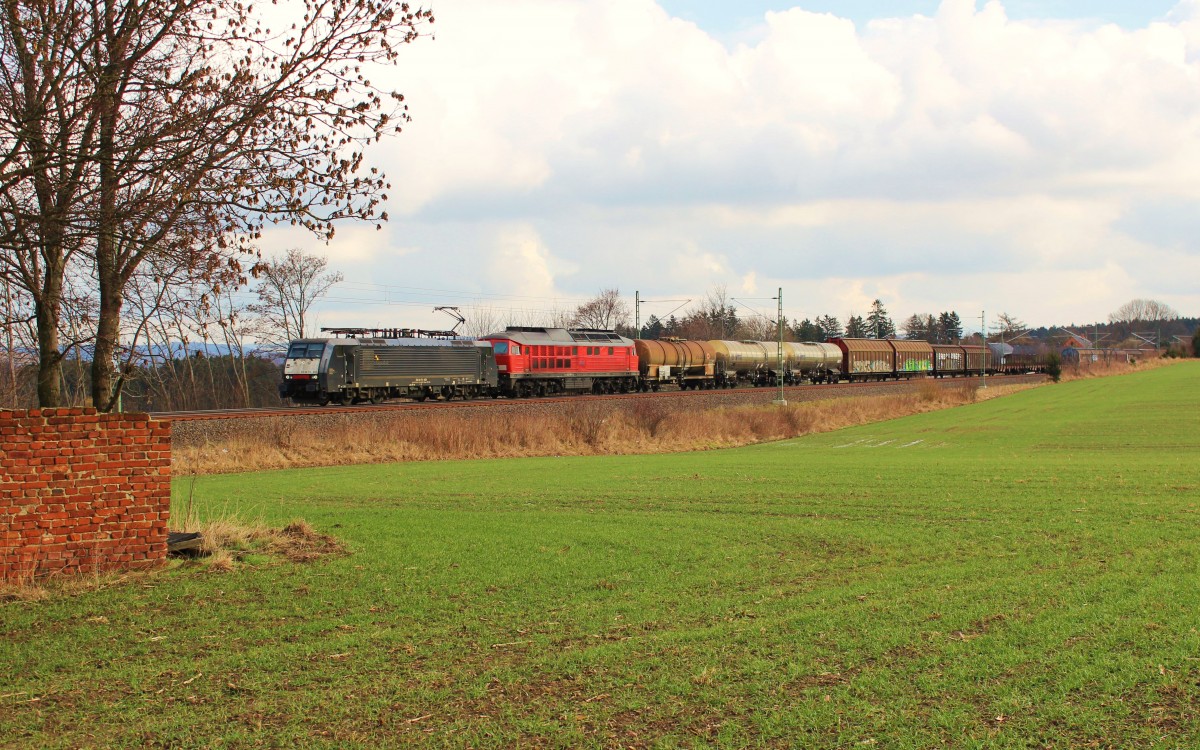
(357, 370)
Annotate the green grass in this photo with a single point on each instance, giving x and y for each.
(1016, 573)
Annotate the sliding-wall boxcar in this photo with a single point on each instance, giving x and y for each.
(913, 358)
(978, 358)
(954, 360)
(866, 359)
(880, 359)
(350, 370)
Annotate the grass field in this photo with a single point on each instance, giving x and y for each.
(1020, 572)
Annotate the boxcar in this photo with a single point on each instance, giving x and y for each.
(866, 359)
(977, 358)
(949, 361)
(913, 358)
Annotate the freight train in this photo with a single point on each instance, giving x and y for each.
(524, 361)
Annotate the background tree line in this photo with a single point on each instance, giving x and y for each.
(202, 346)
(187, 345)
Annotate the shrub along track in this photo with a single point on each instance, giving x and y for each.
(196, 429)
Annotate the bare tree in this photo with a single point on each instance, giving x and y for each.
(482, 320)
(1009, 325)
(178, 128)
(1143, 310)
(18, 339)
(605, 311)
(287, 290)
(713, 317)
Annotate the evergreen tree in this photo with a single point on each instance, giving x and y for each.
(879, 325)
(807, 330)
(671, 327)
(830, 327)
(916, 327)
(950, 327)
(933, 329)
(1196, 343)
(652, 328)
(856, 328)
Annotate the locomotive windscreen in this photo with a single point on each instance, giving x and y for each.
(302, 350)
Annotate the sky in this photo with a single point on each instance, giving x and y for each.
(1039, 159)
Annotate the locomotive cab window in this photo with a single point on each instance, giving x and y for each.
(301, 350)
(500, 347)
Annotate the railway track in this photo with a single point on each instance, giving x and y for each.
(798, 392)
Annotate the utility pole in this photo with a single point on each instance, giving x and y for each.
(637, 317)
(781, 401)
(983, 333)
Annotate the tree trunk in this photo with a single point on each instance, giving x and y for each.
(49, 357)
(108, 263)
(108, 331)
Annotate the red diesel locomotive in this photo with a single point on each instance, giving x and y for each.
(535, 361)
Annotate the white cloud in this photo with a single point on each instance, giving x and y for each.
(616, 146)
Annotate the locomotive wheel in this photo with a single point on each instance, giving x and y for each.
(377, 398)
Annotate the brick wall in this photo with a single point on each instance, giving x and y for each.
(82, 492)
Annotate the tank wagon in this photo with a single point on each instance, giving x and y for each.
(357, 370)
(535, 361)
(679, 362)
(813, 361)
(757, 362)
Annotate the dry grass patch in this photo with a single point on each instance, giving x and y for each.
(586, 428)
(1084, 371)
(227, 544)
(228, 541)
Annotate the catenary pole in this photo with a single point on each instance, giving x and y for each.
(781, 401)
